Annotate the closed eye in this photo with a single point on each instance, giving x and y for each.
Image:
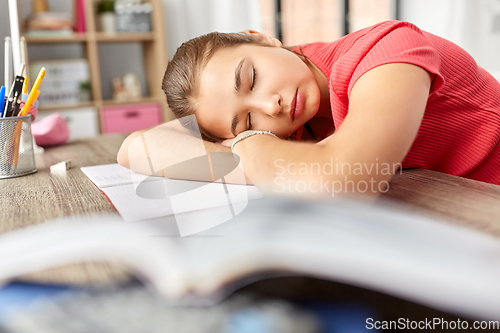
(249, 126)
(253, 79)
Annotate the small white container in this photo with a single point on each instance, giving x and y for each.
(108, 22)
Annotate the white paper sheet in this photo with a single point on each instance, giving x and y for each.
(121, 186)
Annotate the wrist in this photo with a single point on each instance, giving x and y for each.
(244, 136)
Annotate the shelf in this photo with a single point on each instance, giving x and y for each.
(124, 37)
(147, 99)
(154, 57)
(67, 106)
(99, 36)
(131, 101)
(58, 39)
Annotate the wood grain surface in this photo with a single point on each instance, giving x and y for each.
(45, 196)
(449, 198)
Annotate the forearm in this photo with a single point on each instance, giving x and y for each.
(162, 143)
(156, 151)
(298, 168)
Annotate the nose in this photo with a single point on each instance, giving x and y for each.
(271, 105)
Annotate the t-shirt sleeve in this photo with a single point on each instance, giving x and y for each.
(405, 44)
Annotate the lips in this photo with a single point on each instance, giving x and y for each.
(293, 105)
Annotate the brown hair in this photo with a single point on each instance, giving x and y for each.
(181, 79)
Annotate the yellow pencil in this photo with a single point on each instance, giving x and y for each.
(17, 141)
(25, 86)
(33, 92)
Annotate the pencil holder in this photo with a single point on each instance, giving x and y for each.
(17, 157)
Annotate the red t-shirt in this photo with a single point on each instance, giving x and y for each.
(460, 130)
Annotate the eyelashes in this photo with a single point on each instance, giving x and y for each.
(249, 127)
(253, 79)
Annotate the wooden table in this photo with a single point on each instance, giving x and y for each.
(44, 196)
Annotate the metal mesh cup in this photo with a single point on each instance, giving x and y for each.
(16, 147)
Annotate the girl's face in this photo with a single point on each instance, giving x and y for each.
(256, 87)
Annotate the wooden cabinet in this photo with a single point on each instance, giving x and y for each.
(154, 55)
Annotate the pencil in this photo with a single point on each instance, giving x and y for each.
(25, 85)
(17, 142)
(16, 139)
(33, 92)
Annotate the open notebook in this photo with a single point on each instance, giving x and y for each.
(444, 266)
(138, 197)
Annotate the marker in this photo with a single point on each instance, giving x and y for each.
(2, 100)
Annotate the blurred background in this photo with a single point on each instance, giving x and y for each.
(105, 61)
(110, 56)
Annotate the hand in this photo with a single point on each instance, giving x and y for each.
(227, 142)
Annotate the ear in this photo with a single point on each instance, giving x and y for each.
(264, 38)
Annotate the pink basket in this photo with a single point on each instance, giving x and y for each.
(130, 118)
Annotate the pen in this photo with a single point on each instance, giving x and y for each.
(18, 90)
(12, 101)
(24, 54)
(33, 92)
(2, 100)
(7, 97)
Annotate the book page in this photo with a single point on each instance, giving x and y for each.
(109, 175)
(139, 197)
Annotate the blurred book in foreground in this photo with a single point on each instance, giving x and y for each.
(437, 264)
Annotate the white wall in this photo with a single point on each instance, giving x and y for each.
(472, 24)
(184, 19)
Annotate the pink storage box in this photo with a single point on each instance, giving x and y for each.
(130, 118)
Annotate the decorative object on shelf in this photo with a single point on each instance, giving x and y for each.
(79, 10)
(39, 6)
(85, 91)
(49, 24)
(106, 12)
(63, 82)
(127, 88)
(44, 23)
(133, 16)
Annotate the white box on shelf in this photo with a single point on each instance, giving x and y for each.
(67, 82)
(82, 122)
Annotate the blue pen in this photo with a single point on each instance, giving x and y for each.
(2, 100)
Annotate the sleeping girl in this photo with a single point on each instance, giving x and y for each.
(350, 113)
